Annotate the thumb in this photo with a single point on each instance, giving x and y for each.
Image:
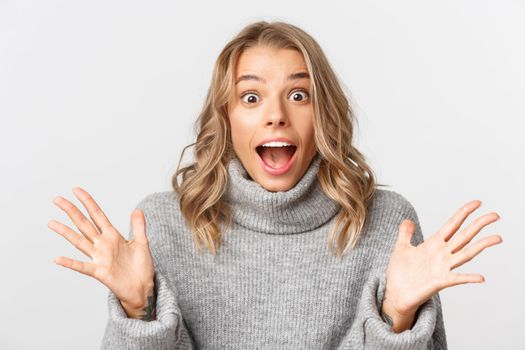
(138, 226)
(406, 230)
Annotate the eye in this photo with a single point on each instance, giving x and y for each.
(297, 93)
(250, 100)
(251, 97)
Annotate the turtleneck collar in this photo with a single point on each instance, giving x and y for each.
(302, 208)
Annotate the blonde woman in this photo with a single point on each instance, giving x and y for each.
(277, 236)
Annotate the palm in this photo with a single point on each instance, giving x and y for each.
(414, 274)
(125, 267)
(119, 264)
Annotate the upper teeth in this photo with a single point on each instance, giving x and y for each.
(276, 144)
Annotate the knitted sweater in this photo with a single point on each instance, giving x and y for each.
(273, 283)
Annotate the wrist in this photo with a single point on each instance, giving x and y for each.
(131, 312)
(398, 321)
(144, 307)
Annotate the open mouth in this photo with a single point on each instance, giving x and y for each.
(276, 157)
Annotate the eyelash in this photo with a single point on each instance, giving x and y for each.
(253, 93)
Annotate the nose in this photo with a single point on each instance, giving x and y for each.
(276, 115)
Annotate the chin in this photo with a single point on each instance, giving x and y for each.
(277, 183)
(276, 186)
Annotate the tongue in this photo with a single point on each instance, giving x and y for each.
(277, 157)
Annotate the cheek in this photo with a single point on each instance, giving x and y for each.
(242, 128)
(305, 126)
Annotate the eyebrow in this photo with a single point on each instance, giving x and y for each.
(294, 76)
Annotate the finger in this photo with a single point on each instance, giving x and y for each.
(406, 230)
(138, 226)
(84, 225)
(79, 241)
(453, 223)
(462, 278)
(462, 238)
(466, 255)
(96, 214)
(85, 268)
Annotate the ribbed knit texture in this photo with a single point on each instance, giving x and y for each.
(273, 283)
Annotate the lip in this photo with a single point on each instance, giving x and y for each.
(282, 139)
(279, 171)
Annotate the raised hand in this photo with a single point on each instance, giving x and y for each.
(125, 267)
(415, 274)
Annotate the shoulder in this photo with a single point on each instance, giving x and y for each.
(390, 208)
(393, 202)
(160, 208)
(158, 200)
(163, 220)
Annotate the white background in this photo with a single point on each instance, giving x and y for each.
(103, 95)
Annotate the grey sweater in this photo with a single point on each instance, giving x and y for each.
(273, 284)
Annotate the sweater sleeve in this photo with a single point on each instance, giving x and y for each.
(370, 331)
(168, 330)
(165, 332)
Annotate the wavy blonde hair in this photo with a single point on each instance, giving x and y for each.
(344, 175)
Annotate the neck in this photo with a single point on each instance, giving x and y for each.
(302, 208)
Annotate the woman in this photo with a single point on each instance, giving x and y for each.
(305, 251)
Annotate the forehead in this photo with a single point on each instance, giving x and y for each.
(269, 62)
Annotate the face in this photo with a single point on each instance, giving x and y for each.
(271, 99)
